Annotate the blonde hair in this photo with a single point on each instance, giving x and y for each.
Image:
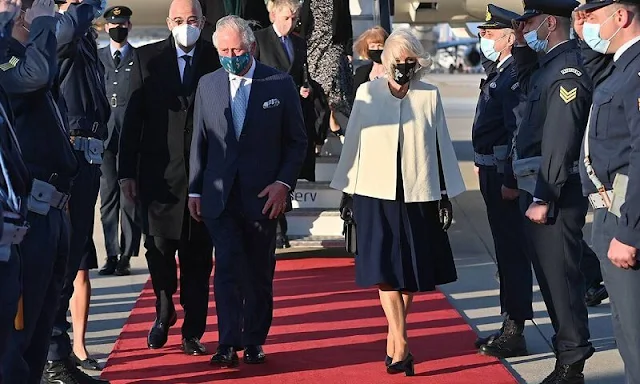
(403, 42)
(275, 5)
(375, 35)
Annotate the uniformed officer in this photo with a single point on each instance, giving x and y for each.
(611, 157)
(81, 76)
(547, 150)
(118, 59)
(29, 73)
(14, 188)
(493, 129)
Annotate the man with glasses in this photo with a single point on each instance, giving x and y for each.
(153, 167)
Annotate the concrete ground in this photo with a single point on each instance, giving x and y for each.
(475, 294)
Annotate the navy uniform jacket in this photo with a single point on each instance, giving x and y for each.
(614, 132)
(495, 121)
(41, 133)
(117, 81)
(558, 96)
(81, 73)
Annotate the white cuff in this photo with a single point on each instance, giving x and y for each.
(195, 195)
(285, 184)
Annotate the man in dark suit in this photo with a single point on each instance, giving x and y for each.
(248, 146)
(214, 10)
(153, 165)
(118, 59)
(277, 47)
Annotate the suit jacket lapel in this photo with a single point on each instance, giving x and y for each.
(124, 60)
(281, 54)
(254, 97)
(106, 58)
(169, 66)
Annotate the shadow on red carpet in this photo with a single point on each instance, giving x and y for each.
(325, 330)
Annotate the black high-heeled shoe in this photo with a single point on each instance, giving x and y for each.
(405, 366)
(387, 361)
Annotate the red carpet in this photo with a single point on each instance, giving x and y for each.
(325, 331)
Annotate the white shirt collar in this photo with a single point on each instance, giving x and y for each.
(276, 29)
(625, 47)
(557, 45)
(181, 53)
(503, 61)
(248, 75)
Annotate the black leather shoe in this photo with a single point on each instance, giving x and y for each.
(480, 341)
(282, 242)
(388, 360)
(595, 295)
(225, 357)
(88, 363)
(66, 372)
(124, 267)
(510, 343)
(109, 267)
(160, 332)
(192, 346)
(566, 374)
(253, 354)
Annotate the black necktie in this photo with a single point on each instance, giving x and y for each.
(186, 75)
(116, 58)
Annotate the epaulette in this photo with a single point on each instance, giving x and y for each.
(9, 64)
(571, 70)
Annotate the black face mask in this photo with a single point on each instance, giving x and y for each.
(404, 72)
(375, 55)
(119, 34)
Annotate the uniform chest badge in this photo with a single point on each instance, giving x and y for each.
(568, 96)
(493, 85)
(131, 63)
(515, 86)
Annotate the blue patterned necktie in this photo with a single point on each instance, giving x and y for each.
(283, 40)
(239, 108)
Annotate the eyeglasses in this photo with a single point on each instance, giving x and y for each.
(191, 20)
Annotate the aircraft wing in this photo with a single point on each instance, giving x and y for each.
(457, 43)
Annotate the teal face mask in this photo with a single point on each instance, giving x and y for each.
(236, 64)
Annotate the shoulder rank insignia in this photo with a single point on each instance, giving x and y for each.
(571, 70)
(9, 64)
(568, 96)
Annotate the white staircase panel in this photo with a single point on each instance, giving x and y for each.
(316, 196)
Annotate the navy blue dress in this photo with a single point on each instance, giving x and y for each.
(401, 244)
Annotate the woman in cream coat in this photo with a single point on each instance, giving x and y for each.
(399, 165)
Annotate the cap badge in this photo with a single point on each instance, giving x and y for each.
(116, 11)
(488, 18)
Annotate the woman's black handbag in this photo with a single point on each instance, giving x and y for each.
(349, 228)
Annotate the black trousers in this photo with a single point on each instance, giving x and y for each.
(117, 211)
(84, 195)
(590, 266)
(44, 253)
(282, 226)
(557, 251)
(195, 254)
(623, 286)
(9, 296)
(243, 277)
(514, 264)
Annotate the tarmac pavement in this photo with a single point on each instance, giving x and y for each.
(475, 294)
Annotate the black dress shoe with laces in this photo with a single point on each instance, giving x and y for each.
(566, 374)
(88, 363)
(160, 332)
(109, 267)
(66, 372)
(191, 346)
(225, 357)
(595, 295)
(124, 266)
(253, 354)
(510, 343)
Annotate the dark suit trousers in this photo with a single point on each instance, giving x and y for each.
(195, 254)
(243, 277)
(514, 265)
(556, 256)
(112, 203)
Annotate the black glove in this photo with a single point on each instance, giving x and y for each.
(445, 212)
(346, 208)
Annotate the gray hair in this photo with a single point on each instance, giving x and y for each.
(238, 24)
(293, 5)
(400, 42)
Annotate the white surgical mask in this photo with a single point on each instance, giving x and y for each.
(488, 48)
(186, 35)
(534, 42)
(592, 36)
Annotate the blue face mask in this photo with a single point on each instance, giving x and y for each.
(592, 36)
(532, 39)
(235, 65)
(488, 48)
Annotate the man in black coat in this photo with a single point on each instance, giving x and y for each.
(277, 47)
(153, 167)
(214, 10)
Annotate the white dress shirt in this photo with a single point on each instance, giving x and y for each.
(624, 48)
(234, 85)
(501, 63)
(181, 62)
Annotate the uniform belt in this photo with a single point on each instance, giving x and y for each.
(79, 143)
(485, 160)
(58, 199)
(597, 200)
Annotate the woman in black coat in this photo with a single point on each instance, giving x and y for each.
(369, 46)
